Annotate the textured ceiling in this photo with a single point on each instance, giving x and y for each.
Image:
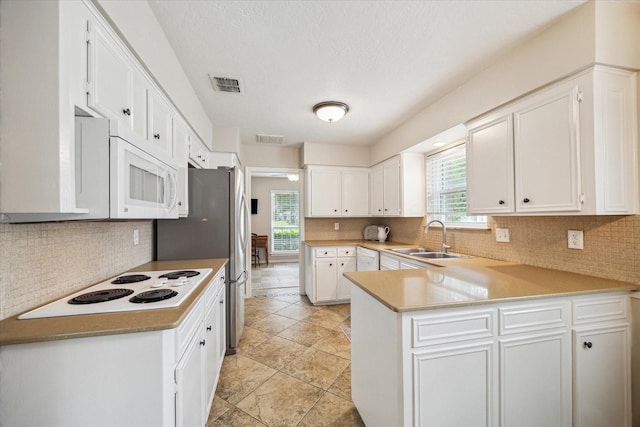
(386, 59)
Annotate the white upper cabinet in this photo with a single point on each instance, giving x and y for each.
(198, 152)
(160, 124)
(397, 186)
(181, 139)
(337, 191)
(570, 149)
(355, 192)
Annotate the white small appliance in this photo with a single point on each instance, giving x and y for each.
(128, 292)
(141, 186)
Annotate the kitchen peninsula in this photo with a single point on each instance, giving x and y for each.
(479, 342)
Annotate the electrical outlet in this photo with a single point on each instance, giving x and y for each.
(576, 239)
(136, 237)
(336, 226)
(502, 235)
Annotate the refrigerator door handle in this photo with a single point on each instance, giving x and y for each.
(241, 280)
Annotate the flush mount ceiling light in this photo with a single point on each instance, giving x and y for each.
(330, 111)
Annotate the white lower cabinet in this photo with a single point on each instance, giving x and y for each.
(462, 374)
(508, 364)
(324, 280)
(163, 378)
(388, 262)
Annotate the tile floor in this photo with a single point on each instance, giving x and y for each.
(275, 275)
(292, 368)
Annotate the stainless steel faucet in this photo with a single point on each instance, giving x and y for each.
(444, 233)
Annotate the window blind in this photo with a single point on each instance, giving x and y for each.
(447, 188)
(285, 221)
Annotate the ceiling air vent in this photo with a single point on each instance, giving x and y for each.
(226, 84)
(269, 139)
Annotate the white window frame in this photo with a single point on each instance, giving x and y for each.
(271, 223)
(438, 187)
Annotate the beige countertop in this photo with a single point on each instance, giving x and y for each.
(473, 281)
(15, 331)
(467, 281)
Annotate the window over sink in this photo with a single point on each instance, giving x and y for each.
(446, 173)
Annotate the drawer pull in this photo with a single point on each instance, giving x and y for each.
(208, 328)
(156, 135)
(525, 200)
(587, 344)
(501, 202)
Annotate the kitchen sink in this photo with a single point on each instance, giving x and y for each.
(412, 250)
(435, 255)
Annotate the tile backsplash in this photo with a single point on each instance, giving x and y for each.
(611, 243)
(43, 262)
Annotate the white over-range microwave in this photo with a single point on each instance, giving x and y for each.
(141, 185)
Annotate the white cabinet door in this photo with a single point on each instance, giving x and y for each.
(535, 380)
(602, 375)
(345, 265)
(454, 386)
(547, 152)
(211, 351)
(110, 77)
(190, 385)
(325, 279)
(391, 187)
(490, 165)
(160, 124)
(355, 193)
(181, 147)
(388, 262)
(325, 192)
(376, 197)
(221, 340)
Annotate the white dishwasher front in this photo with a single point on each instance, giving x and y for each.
(367, 259)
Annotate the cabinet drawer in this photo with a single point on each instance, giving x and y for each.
(347, 251)
(440, 329)
(590, 310)
(325, 252)
(534, 317)
(189, 327)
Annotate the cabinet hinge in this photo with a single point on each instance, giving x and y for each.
(581, 198)
(88, 34)
(579, 96)
(87, 87)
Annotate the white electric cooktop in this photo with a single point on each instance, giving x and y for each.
(127, 292)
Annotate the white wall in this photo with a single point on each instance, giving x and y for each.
(270, 156)
(137, 23)
(335, 154)
(261, 190)
(226, 139)
(565, 47)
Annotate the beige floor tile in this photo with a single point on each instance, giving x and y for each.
(253, 315)
(218, 408)
(332, 411)
(343, 310)
(281, 401)
(335, 343)
(289, 297)
(296, 311)
(251, 338)
(316, 368)
(273, 324)
(240, 376)
(341, 387)
(276, 352)
(235, 418)
(327, 318)
(305, 333)
(264, 304)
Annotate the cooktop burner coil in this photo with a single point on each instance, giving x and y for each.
(153, 296)
(178, 274)
(130, 278)
(100, 296)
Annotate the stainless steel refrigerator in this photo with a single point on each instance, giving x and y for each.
(215, 228)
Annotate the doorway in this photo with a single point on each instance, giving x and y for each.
(277, 223)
